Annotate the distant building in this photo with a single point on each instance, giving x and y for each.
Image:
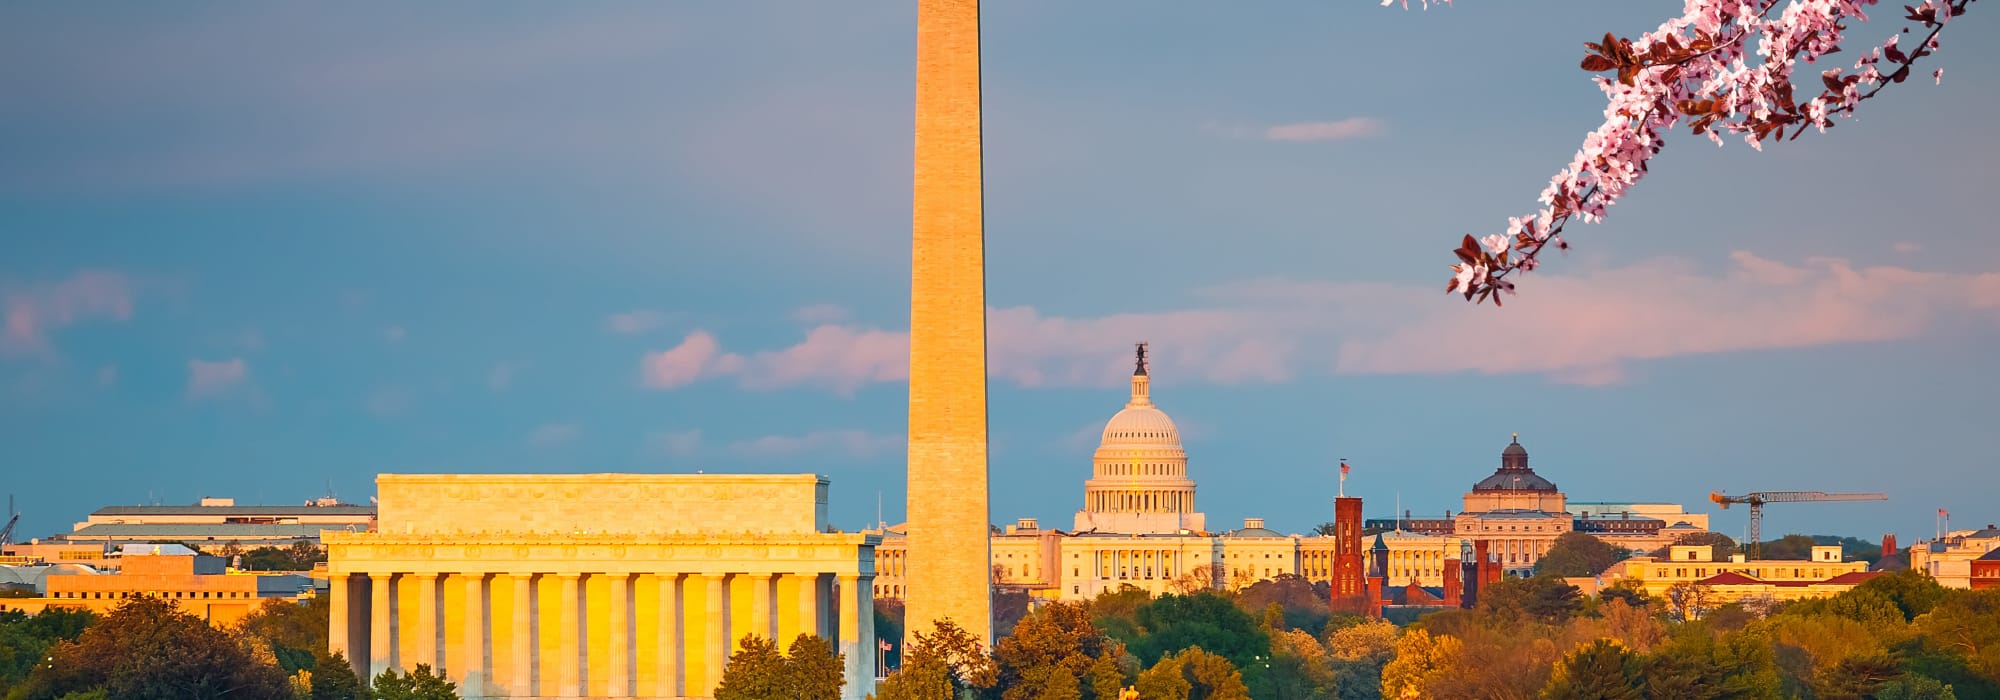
(1949, 560)
(1741, 580)
(219, 521)
(1521, 513)
(201, 585)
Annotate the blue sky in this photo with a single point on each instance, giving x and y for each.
(251, 249)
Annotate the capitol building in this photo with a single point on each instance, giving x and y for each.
(1139, 526)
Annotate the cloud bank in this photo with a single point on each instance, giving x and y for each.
(1581, 328)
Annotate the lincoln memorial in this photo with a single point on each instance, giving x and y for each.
(597, 585)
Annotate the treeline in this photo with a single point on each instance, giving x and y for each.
(149, 649)
(1898, 637)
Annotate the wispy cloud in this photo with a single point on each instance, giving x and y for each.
(1581, 328)
(1344, 129)
(851, 444)
(552, 434)
(820, 313)
(685, 443)
(394, 335)
(211, 379)
(635, 321)
(107, 376)
(33, 313)
(501, 377)
(388, 401)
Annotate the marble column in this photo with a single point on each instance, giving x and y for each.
(809, 617)
(570, 612)
(336, 620)
(474, 671)
(760, 607)
(618, 637)
(521, 674)
(667, 683)
(860, 660)
(427, 621)
(381, 636)
(716, 649)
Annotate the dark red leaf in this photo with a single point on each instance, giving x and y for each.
(1596, 64)
(1894, 54)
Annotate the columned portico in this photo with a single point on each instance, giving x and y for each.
(608, 605)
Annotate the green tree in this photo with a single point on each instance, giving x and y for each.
(296, 631)
(1299, 668)
(1628, 591)
(889, 627)
(1543, 599)
(1600, 670)
(1326, 529)
(1055, 652)
(26, 639)
(813, 670)
(755, 672)
(419, 684)
(1193, 674)
(1300, 602)
(333, 678)
(1009, 606)
(1915, 688)
(1698, 664)
(1576, 554)
(1966, 625)
(1207, 620)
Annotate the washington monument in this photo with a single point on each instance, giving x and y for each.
(948, 483)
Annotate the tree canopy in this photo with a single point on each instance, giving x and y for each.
(1577, 554)
(148, 649)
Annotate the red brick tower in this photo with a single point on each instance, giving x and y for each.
(1889, 545)
(1454, 590)
(1350, 592)
(1378, 577)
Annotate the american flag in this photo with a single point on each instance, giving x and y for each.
(1343, 467)
(1942, 513)
(883, 643)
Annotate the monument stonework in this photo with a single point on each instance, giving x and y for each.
(596, 585)
(948, 522)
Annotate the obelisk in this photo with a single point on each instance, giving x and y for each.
(948, 546)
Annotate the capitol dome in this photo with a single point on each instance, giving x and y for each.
(1142, 424)
(1139, 480)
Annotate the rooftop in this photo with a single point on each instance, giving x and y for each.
(343, 509)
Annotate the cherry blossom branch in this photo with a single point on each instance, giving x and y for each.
(1695, 67)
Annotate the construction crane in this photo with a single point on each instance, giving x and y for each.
(7, 533)
(1757, 500)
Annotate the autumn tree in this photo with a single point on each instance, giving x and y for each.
(1577, 554)
(1601, 670)
(1056, 652)
(421, 683)
(1722, 67)
(1299, 668)
(148, 649)
(1422, 664)
(946, 663)
(1193, 674)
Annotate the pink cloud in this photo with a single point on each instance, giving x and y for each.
(697, 357)
(34, 313)
(853, 444)
(1585, 329)
(211, 379)
(1341, 130)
